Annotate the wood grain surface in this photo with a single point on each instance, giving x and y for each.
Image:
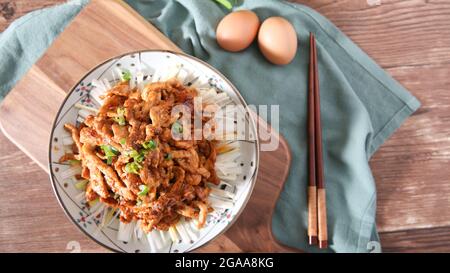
(43, 88)
(411, 40)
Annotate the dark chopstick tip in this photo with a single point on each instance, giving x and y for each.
(313, 240)
(323, 244)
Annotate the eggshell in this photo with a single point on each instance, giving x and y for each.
(277, 40)
(237, 30)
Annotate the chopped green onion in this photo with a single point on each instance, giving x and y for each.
(110, 152)
(144, 190)
(149, 145)
(120, 118)
(131, 153)
(123, 141)
(126, 76)
(109, 160)
(81, 185)
(120, 111)
(133, 167)
(177, 127)
(74, 161)
(168, 156)
(137, 156)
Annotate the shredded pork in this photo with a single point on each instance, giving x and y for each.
(133, 163)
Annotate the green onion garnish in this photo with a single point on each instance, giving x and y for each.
(168, 156)
(123, 141)
(74, 162)
(140, 157)
(133, 167)
(126, 76)
(144, 190)
(137, 156)
(110, 152)
(149, 145)
(120, 118)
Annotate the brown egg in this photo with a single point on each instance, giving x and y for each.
(277, 40)
(237, 30)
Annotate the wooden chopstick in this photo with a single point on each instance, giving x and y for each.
(317, 209)
(312, 189)
(321, 195)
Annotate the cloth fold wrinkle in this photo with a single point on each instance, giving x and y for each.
(358, 99)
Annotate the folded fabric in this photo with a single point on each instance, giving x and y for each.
(361, 105)
(27, 38)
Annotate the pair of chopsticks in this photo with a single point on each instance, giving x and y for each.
(317, 210)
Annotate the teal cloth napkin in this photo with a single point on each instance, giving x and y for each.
(361, 104)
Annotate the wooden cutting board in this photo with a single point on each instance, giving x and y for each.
(104, 29)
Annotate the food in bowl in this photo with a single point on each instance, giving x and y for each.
(137, 158)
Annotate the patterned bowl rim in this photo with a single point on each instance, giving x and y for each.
(181, 54)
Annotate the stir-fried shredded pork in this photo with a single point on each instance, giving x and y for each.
(133, 163)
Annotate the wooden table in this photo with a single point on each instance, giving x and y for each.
(410, 39)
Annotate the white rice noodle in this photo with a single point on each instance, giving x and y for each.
(80, 119)
(194, 224)
(86, 108)
(226, 166)
(217, 203)
(226, 146)
(192, 234)
(174, 235)
(228, 177)
(151, 242)
(84, 112)
(138, 232)
(222, 194)
(139, 81)
(156, 236)
(183, 233)
(71, 171)
(228, 171)
(208, 95)
(164, 236)
(67, 140)
(182, 75)
(228, 156)
(125, 231)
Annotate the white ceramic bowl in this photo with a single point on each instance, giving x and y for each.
(150, 66)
